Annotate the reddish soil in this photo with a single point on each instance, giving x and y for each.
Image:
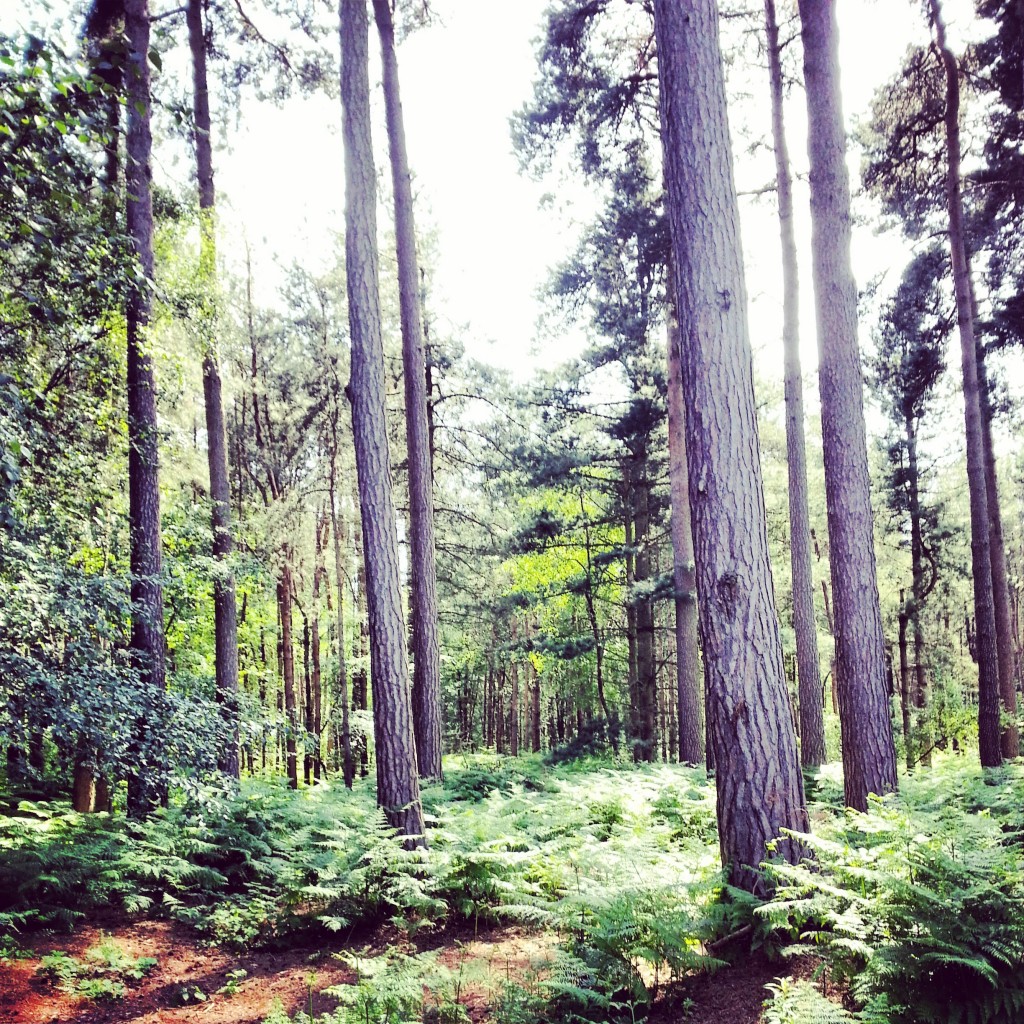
(291, 977)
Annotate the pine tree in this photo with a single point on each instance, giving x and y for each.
(760, 787)
(397, 781)
(869, 755)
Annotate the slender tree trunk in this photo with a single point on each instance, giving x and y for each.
(347, 764)
(535, 711)
(812, 719)
(869, 755)
(632, 675)
(398, 791)
(513, 719)
(224, 606)
(689, 676)
(319, 574)
(360, 678)
(760, 787)
(647, 683)
(1009, 738)
(284, 611)
(307, 703)
(147, 786)
(905, 697)
(981, 555)
(426, 679)
(920, 593)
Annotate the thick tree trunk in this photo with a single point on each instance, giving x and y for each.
(689, 675)
(398, 791)
(224, 606)
(426, 678)
(147, 786)
(760, 787)
(284, 611)
(812, 718)
(981, 555)
(869, 755)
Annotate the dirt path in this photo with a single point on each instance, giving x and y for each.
(294, 978)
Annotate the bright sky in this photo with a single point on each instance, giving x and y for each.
(461, 79)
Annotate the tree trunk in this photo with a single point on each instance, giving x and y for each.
(535, 711)
(811, 694)
(647, 683)
(398, 791)
(147, 785)
(632, 674)
(224, 607)
(919, 590)
(1009, 738)
(307, 703)
(869, 755)
(760, 787)
(347, 765)
(426, 678)
(689, 676)
(905, 696)
(981, 556)
(513, 718)
(284, 611)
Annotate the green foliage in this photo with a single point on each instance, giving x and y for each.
(800, 1002)
(105, 973)
(919, 907)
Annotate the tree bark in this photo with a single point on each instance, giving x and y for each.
(689, 675)
(426, 677)
(811, 693)
(869, 754)
(398, 791)
(989, 747)
(760, 787)
(224, 605)
(147, 785)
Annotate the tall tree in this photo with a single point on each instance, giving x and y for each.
(146, 786)
(398, 789)
(426, 677)
(808, 666)
(224, 605)
(760, 787)
(869, 754)
(981, 556)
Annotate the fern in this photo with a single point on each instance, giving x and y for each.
(800, 1002)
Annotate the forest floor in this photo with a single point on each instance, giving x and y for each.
(194, 983)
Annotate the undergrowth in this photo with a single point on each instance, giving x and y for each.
(918, 905)
(106, 972)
